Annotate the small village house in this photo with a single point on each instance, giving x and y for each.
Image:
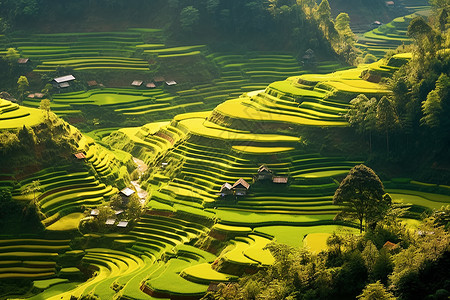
(63, 81)
(240, 187)
(264, 173)
(226, 189)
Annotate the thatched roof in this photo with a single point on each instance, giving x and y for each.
(280, 179)
(241, 182)
(226, 187)
(264, 168)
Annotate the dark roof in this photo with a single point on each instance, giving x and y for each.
(80, 155)
(242, 182)
(92, 83)
(159, 79)
(64, 78)
(280, 179)
(226, 186)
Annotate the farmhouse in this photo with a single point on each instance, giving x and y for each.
(23, 61)
(63, 81)
(159, 80)
(91, 83)
(226, 189)
(171, 82)
(264, 173)
(240, 187)
(80, 155)
(110, 221)
(127, 192)
(280, 179)
(122, 224)
(137, 83)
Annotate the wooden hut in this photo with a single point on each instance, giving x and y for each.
(226, 189)
(264, 173)
(63, 81)
(240, 187)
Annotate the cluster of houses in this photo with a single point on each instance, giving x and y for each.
(114, 221)
(65, 81)
(157, 81)
(241, 187)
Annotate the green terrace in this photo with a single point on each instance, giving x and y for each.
(388, 36)
(13, 116)
(33, 258)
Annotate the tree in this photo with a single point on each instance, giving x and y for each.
(134, 206)
(387, 118)
(212, 5)
(33, 188)
(376, 291)
(12, 55)
(362, 115)
(45, 106)
(189, 16)
(116, 201)
(22, 85)
(362, 197)
(342, 22)
(324, 14)
(47, 91)
(431, 109)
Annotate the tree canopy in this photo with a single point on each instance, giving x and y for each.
(361, 195)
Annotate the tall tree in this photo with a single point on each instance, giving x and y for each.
(32, 189)
(12, 54)
(45, 106)
(432, 110)
(22, 86)
(387, 119)
(324, 15)
(362, 197)
(189, 17)
(376, 291)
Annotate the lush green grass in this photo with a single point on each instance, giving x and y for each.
(294, 235)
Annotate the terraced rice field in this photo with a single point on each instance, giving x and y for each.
(14, 116)
(32, 258)
(389, 36)
(83, 51)
(189, 158)
(64, 191)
